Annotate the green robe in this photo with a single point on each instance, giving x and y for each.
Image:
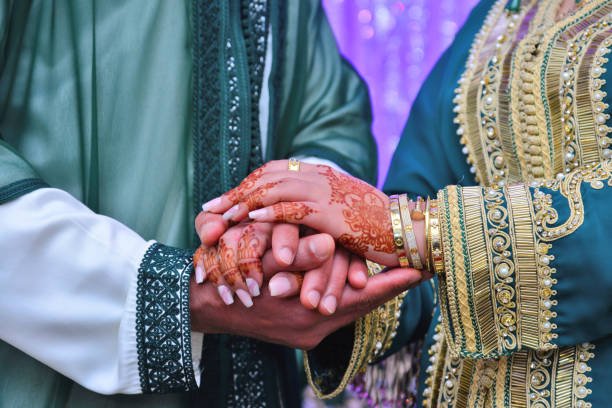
(142, 111)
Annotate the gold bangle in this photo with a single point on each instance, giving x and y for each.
(428, 264)
(409, 237)
(396, 225)
(437, 255)
(405, 213)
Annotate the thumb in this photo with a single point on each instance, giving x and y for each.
(379, 289)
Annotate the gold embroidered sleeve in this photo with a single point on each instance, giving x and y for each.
(523, 265)
(371, 337)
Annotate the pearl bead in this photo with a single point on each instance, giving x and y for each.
(545, 260)
(607, 153)
(488, 100)
(449, 384)
(546, 325)
(504, 271)
(566, 75)
(598, 95)
(547, 304)
(601, 118)
(460, 131)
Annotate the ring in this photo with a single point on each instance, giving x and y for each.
(293, 165)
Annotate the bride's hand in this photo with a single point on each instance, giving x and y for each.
(352, 211)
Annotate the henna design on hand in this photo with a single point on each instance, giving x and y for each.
(254, 200)
(366, 213)
(250, 250)
(229, 266)
(292, 212)
(211, 265)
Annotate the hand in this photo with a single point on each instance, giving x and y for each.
(235, 265)
(353, 212)
(284, 320)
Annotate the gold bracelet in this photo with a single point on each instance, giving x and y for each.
(396, 225)
(405, 213)
(409, 237)
(428, 265)
(437, 255)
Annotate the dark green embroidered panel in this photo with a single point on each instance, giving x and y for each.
(19, 188)
(163, 326)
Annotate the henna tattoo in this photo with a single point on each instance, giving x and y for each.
(211, 265)
(353, 244)
(365, 212)
(229, 266)
(236, 194)
(250, 250)
(254, 200)
(292, 212)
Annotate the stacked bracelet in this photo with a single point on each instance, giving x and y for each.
(409, 237)
(435, 242)
(396, 225)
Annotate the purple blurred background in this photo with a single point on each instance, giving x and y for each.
(394, 44)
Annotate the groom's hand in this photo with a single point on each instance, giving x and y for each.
(284, 320)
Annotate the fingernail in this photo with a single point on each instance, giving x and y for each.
(320, 253)
(313, 297)
(230, 213)
(279, 285)
(209, 205)
(253, 286)
(286, 255)
(258, 214)
(225, 294)
(329, 303)
(199, 273)
(244, 297)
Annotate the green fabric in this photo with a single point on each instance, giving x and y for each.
(96, 98)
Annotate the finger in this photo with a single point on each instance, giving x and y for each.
(358, 272)
(285, 239)
(294, 212)
(285, 188)
(315, 282)
(379, 289)
(214, 275)
(312, 252)
(228, 257)
(253, 243)
(198, 262)
(210, 227)
(285, 284)
(335, 283)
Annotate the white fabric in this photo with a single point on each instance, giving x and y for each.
(68, 289)
(264, 98)
(316, 160)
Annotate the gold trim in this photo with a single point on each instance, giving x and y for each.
(475, 227)
(503, 273)
(529, 295)
(469, 333)
(434, 369)
(579, 137)
(466, 120)
(598, 107)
